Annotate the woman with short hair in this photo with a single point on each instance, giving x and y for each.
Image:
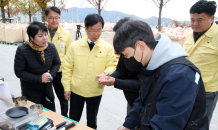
(36, 62)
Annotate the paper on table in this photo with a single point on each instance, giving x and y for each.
(6, 101)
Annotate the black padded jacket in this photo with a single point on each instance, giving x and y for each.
(29, 68)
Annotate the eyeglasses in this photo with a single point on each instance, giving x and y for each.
(54, 18)
(99, 31)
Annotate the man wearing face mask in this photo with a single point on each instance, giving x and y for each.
(122, 78)
(172, 94)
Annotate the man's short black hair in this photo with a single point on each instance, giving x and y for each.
(52, 8)
(121, 22)
(132, 31)
(93, 19)
(34, 28)
(208, 7)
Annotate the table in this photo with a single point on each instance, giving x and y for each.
(57, 118)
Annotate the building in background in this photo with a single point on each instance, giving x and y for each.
(25, 18)
(10, 20)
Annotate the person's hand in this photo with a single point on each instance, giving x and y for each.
(102, 74)
(122, 128)
(105, 80)
(67, 95)
(45, 78)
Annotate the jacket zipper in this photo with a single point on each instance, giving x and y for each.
(193, 122)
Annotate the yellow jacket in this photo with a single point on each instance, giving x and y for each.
(204, 54)
(81, 65)
(61, 37)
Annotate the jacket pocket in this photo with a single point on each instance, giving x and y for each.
(200, 123)
(100, 58)
(208, 49)
(80, 62)
(76, 80)
(99, 63)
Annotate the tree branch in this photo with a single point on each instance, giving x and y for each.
(165, 2)
(156, 3)
(104, 5)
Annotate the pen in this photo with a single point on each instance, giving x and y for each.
(58, 126)
(47, 126)
(67, 126)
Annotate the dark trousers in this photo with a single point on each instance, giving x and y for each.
(211, 100)
(92, 105)
(59, 90)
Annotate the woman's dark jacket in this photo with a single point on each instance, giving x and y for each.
(127, 81)
(29, 68)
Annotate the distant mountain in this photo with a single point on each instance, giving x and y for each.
(215, 19)
(154, 21)
(112, 16)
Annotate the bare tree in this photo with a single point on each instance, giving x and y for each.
(43, 5)
(59, 3)
(160, 4)
(98, 4)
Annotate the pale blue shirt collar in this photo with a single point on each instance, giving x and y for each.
(89, 41)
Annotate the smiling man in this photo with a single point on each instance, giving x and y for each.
(87, 60)
(61, 38)
(202, 47)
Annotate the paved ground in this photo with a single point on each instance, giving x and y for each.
(112, 110)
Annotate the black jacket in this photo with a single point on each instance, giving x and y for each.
(29, 68)
(127, 81)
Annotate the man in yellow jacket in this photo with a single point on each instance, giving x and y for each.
(87, 60)
(61, 38)
(202, 47)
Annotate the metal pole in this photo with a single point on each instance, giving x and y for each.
(72, 14)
